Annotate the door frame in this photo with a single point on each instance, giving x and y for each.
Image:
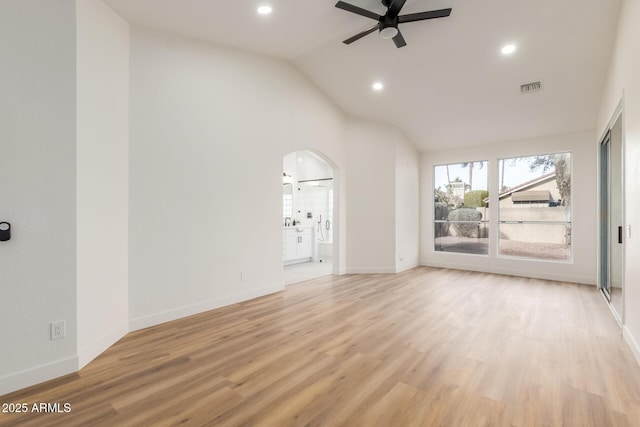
(339, 237)
(604, 138)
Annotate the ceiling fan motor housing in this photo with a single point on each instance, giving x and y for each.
(388, 27)
(388, 23)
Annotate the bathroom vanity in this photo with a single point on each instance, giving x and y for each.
(297, 244)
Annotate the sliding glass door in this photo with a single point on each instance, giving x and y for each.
(612, 231)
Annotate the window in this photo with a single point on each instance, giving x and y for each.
(287, 202)
(535, 207)
(461, 222)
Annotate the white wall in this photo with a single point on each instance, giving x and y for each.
(407, 214)
(584, 226)
(623, 82)
(102, 177)
(209, 128)
(371, 211)
(37, 189)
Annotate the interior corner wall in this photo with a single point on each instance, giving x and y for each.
(407, 204)
(209, 126)
(37, 190)
(582, 269)
(623, 84)
(102, 177)
(371, 244)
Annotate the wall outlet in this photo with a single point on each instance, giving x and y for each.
(58, 330)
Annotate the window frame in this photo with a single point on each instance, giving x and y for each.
(482, 223)
(500, 222)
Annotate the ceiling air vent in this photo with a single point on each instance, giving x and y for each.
(531, 87)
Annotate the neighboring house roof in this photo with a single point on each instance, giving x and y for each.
(525, 185)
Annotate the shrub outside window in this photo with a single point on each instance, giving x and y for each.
(461, 221)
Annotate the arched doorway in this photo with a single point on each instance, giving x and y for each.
(309, 214)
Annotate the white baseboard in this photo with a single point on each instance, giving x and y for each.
(49, 371)
(339, 272)
(371, 270)
(538, 274)
(92, 351)
(632, 343)
(188, 310)
(613, 311)
(406, 265)
(38, 374)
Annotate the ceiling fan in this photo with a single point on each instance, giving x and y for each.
(388, 23)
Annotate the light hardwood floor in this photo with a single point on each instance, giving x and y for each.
(427, 347)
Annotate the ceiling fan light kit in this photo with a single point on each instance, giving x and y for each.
(388, 23)
(389, 33)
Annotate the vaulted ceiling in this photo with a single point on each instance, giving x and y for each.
(450, 86)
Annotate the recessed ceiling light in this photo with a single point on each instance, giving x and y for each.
(508, 49)
(265, 10)
(377, 86)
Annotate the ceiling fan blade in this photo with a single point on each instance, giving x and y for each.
(361, 35)
(421, 16)
(357, 10)
(395, 8)
(399, 40)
